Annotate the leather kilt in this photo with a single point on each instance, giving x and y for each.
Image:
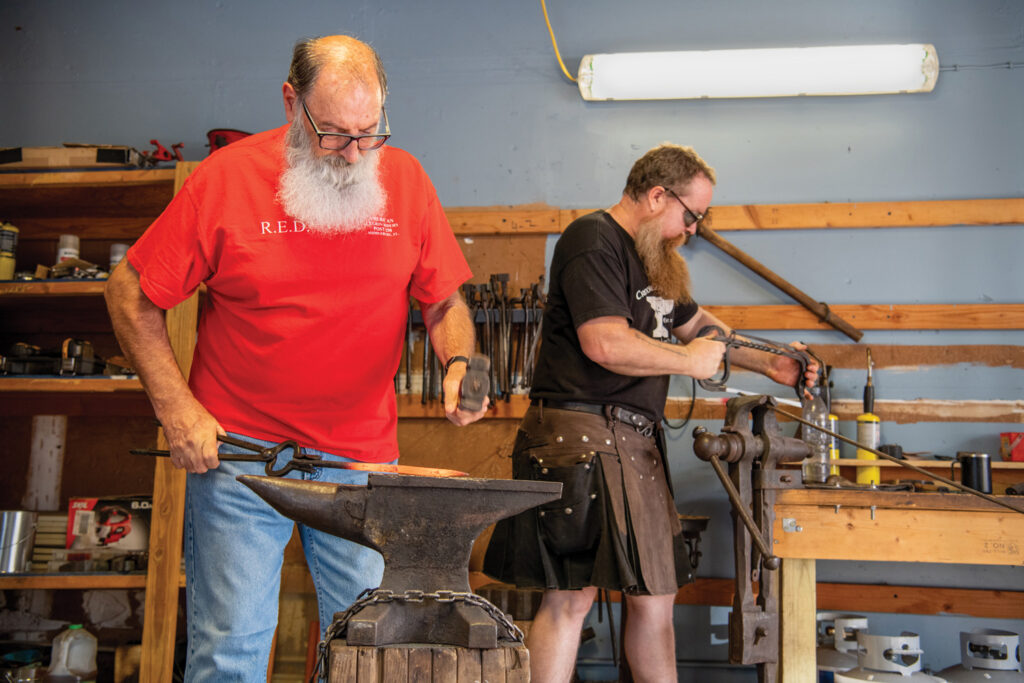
(615, 526)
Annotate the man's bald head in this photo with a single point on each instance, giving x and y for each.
(346, 57)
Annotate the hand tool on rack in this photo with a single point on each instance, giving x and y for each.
(410, 339)
(819, 309)
(425, 377)
(304, 462)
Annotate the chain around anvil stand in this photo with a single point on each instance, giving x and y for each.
(372, 596)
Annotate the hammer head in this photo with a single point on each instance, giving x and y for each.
(476, 384)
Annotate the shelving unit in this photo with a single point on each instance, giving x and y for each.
(102, 208)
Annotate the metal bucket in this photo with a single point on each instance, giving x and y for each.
(17, 536)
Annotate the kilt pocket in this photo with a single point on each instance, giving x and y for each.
(571, 524)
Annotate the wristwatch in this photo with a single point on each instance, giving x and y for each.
(454, 359)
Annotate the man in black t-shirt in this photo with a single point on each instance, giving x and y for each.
(619, 292)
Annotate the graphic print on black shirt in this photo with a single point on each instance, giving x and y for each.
(596, 272)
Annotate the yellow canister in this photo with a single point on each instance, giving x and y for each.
(868, 433)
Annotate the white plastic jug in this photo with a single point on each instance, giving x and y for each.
(74, 656)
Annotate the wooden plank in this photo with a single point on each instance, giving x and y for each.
(58, 385)
(492, 665)
(343, 662)
(912, 357)
(900, 412)
(517, 664)
(71, 581)
(368, 665)
(46, 231)
(967, 535)
(421, 665)
(79, 178)
(855, 597)
(445, 664)
(497, 220)
(798, 637)
(167, 525)
(468, 665)
(52, 288)
(985, 604)
(1009, 211)
(934, 410)
(395, 664)
(877, 317)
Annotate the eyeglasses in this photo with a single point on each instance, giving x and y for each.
(689, 216)
(339, 141)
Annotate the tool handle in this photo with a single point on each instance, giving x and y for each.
(716, 333)
(869, 398)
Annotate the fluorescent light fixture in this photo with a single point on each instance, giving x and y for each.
(778, 72)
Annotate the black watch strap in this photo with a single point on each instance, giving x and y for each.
(453, 359)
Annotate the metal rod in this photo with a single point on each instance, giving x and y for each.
(901, 463)
(819, 309)
(771, 562)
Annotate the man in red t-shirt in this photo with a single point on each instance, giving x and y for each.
(310, 239)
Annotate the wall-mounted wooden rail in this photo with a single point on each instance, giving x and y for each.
(534, 220)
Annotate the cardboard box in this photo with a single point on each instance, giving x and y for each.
(116, 523)
(73, 156)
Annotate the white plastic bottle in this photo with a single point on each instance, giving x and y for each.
(73, 657)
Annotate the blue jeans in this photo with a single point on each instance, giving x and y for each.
(234, 545)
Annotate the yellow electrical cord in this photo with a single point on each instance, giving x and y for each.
(554, 43)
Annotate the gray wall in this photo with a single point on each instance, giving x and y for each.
(477, 95)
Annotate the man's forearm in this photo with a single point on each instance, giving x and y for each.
(141, 331)
(450, 327)
(614, 345)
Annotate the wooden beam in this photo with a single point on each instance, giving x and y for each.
(857, 597)
(912, 357)
(79, 178)
(878, 317)
(549, 220)
(900, 412)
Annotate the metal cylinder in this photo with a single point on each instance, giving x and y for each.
(17, 537)
(975, 471)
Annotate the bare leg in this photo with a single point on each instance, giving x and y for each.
(650, 642)
(555, 634)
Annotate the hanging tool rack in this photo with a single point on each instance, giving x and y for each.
(507, 333)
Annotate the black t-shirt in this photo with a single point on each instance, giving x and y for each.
(595, 272)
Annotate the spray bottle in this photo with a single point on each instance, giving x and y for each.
(868, 432)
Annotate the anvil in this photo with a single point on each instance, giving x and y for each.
(425, 528)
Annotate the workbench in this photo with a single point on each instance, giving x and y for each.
(823, 524)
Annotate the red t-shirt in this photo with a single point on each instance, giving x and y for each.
(301, 334)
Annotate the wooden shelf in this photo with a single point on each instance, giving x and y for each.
(81, 581)
(49, 288)
(70, 385)
(78, 178)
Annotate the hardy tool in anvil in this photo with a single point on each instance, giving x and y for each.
(425, 528)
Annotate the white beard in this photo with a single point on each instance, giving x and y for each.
(329, 195)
